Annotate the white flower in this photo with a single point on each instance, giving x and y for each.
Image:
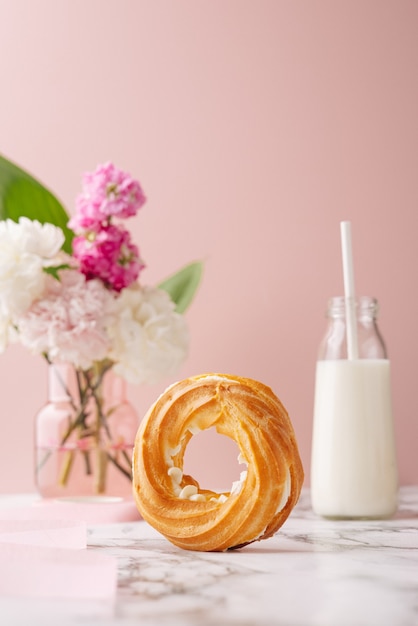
(25, 248)
(67, 322)
(43, 240)
(149, 339)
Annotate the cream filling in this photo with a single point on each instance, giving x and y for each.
(176, 475)
(238, 484)
(285, 494)
(170, 453)
(282, 503)
(219, 498)
(187, 492)
(197, 497)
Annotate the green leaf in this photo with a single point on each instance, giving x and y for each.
(55, 270)
(23, 195)
(182, 286)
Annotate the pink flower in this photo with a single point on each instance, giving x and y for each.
(67, 322)
(109, 255)
(108, 192)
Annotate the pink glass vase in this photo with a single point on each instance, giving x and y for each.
(84, 435)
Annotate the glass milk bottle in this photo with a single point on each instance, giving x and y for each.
(353, 467)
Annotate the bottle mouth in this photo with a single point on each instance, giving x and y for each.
(364, 305)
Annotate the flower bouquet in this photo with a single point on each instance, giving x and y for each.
(70, 291)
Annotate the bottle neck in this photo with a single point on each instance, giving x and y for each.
(366, 307)
(369, 342)
(62, 385)
(115, 388)
(60, 382)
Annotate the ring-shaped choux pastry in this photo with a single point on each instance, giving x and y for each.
(258, 504)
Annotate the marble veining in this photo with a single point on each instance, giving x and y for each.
(313, 572)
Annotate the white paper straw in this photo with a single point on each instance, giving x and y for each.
(349, 291)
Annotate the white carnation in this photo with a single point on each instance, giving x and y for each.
(25, 248)
(149, 339)
(43, 240)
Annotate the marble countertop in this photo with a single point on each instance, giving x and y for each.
(313, 572)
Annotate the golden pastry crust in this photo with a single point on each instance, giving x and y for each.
(195, 519)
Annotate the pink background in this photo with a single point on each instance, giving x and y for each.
(254, 127)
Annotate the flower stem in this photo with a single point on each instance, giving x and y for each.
(116, 463)
(87, 463)
(66, 467)
(89, 418)
(100, 478)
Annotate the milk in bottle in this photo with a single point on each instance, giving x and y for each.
(353, 466)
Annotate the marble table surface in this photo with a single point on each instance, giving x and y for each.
(313, 572)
